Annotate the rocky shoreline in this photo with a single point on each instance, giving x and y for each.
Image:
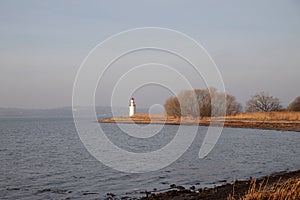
(228, 191)
(234, 122)
(235, 190)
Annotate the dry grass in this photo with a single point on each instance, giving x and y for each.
(288, 190)
(288, 121)
(258, 116)
(269, 116)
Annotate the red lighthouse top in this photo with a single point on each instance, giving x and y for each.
(132, 102)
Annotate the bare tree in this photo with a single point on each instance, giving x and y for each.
(172, 107)
(217, 103)
(263, 102)
(224, 104)
(188, 103)
(295, 105)
(203, 103)
(232, 106)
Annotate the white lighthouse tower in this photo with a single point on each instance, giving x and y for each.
(131, 107)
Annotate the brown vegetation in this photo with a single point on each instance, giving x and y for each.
(203, 103)
(172, 107)
(289, 121)
(208, 103)
(289, 189)
(263, 102)
(267, 116)
(295, 105)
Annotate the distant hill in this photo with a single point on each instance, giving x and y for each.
(20, 112)
(101, 111)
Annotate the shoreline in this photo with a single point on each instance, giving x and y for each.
(235, 189)
(229, 121)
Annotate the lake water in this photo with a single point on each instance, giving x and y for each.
(44, 158)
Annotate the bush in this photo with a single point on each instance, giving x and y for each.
(263, 102)
(172, 107)
(203, 103)
(295, 105)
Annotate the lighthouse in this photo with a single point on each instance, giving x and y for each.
(131, 107)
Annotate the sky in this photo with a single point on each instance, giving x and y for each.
(255, 44)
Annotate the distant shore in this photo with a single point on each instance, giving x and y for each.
(285, 121)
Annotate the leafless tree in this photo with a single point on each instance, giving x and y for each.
(203, 103)
(172, 107)
(188, 103)
(295, 105)
(263, 102)
(218, 103)
(232, 106)
(224, 104)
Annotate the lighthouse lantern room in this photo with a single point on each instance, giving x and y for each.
(131, 107)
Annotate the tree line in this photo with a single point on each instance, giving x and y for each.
(210, 102)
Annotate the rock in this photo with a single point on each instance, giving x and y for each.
(110, 194)
(192, 187)
(180, 187)
(13, 188)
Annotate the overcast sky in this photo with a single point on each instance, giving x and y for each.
(255, 44)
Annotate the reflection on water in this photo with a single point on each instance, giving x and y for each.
(44, 158)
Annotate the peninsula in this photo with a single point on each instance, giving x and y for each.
(286, 121)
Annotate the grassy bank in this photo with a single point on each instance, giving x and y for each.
(268, 116)
(288, 121)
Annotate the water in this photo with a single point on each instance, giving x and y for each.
(44, 158)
